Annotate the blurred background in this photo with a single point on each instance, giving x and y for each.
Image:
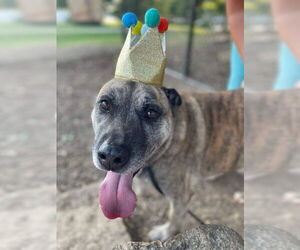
(261, 43)
(272, 143)
(28, 130)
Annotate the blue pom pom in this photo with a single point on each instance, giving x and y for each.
(144, 29)
(152, 17)
(129, 19)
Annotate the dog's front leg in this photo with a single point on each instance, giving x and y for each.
(177, 210)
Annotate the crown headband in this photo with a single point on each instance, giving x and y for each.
(142, 57)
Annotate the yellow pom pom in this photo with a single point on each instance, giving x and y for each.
(136, 30)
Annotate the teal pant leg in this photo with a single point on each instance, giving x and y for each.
(236, 69)
(288, 69)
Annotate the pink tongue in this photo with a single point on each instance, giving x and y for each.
(116, 196)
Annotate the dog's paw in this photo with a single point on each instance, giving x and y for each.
(160, 232)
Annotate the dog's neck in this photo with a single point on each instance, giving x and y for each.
(207, 133)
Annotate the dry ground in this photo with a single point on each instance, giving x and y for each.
(28, 202)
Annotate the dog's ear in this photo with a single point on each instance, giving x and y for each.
(173, 96)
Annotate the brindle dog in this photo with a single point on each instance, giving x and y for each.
(138, 125)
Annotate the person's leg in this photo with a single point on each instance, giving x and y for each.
(288, 69)
(236, 69)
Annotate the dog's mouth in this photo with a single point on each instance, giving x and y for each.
(116, 196)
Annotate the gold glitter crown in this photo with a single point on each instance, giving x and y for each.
(143, 58)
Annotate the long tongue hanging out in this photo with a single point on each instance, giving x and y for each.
(116, 196)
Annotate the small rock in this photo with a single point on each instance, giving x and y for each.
(292, 197)
(238, 197)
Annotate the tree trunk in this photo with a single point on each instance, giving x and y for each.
(189, 48)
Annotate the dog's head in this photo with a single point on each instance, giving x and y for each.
(132, 122)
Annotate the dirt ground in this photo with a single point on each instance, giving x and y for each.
(28, 177)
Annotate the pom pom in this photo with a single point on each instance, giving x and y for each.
(129, 19)
(144, 29)
(152, 17)
(163, 25)
(137, 28)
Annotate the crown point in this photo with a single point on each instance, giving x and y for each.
(144, 29)
(137, 28)
(163, 25)
(129, 19)
(152, 17)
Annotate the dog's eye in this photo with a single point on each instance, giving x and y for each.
(152, 114)
(104, 105)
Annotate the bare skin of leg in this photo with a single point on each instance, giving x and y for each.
(287, 20)
(235, 20)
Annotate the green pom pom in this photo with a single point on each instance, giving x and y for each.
(152, 17)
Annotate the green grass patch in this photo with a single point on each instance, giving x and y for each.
(21, 34)
(69, 34)
(72, 35)
(66, 40)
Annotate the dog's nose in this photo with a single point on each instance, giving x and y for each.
(113, 157)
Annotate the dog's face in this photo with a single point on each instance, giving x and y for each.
(132, 121)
